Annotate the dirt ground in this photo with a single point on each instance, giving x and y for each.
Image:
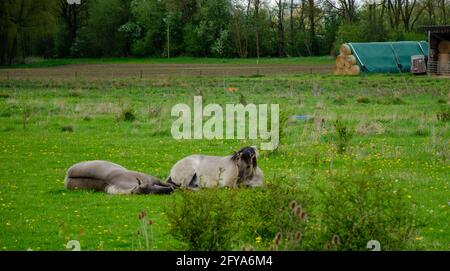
(160, 70)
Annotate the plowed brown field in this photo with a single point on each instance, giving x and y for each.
(161, 70)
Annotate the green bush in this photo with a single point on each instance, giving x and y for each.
(224, 219)
(363, 100)
(263, 213)
(443, 115)
(127, 114)
(339, 100)
(335, 212)
(359, 207)
(343, 135)
(203, 219)
(67, 128)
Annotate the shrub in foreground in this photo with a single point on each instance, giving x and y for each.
(360, 207)
(337, 212)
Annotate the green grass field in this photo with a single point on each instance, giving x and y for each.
(46, 126)
(40, 63)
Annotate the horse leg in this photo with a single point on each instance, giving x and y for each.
(85, 183)
(194, 182)
(161, 189)
(171, 183)
(117, 190)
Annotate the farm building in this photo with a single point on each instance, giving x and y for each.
(379, 57)
(439, 48)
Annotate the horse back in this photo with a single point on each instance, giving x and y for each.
(96, 169)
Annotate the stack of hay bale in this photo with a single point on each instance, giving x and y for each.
(346, 62)
(444, 57)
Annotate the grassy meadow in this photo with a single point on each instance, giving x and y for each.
(37, 62)
(400, 127)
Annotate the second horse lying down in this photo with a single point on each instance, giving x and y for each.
(192, 172)
(111, 178)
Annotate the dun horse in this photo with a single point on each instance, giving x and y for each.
(239, 169)
(113, 179)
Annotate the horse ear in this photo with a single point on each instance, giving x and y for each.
(256, 151)
(236, 156)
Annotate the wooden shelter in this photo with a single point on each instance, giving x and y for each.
(439, 49)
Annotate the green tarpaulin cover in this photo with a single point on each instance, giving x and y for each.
(387, 57)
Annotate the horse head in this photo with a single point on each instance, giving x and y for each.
(246, 161)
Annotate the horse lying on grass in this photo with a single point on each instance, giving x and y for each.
(197, 171)
(111, 178)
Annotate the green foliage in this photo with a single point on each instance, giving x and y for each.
(67, 128)
(207, 34)
(341, 212)
(343, 135)
(339, 100)
(217, 219)
(347, 33)
(24, 24)
(363, 100)
(142, 234)
(263, 213)
(127, 114)
(101, 35)
(444, 114)
(202, 220)
(208, 28)
(147, 27)
(359, 207)
(219, 45)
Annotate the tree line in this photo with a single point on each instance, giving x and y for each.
(206, 28)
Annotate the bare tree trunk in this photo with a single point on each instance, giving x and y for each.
(257, 5)
(291, 30)
(281, 6)
(444, 11)
(430, 9)
(347, 8)
(237, 25)
(312, 27)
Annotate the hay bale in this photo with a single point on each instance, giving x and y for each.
(444, 47)
(443, 60)
(337, 71)
(350, 60)
(340, 61)
(354, 70)
(345, 49)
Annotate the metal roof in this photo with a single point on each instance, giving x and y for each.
(437, 28)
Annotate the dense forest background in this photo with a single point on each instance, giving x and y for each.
(206, 28)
